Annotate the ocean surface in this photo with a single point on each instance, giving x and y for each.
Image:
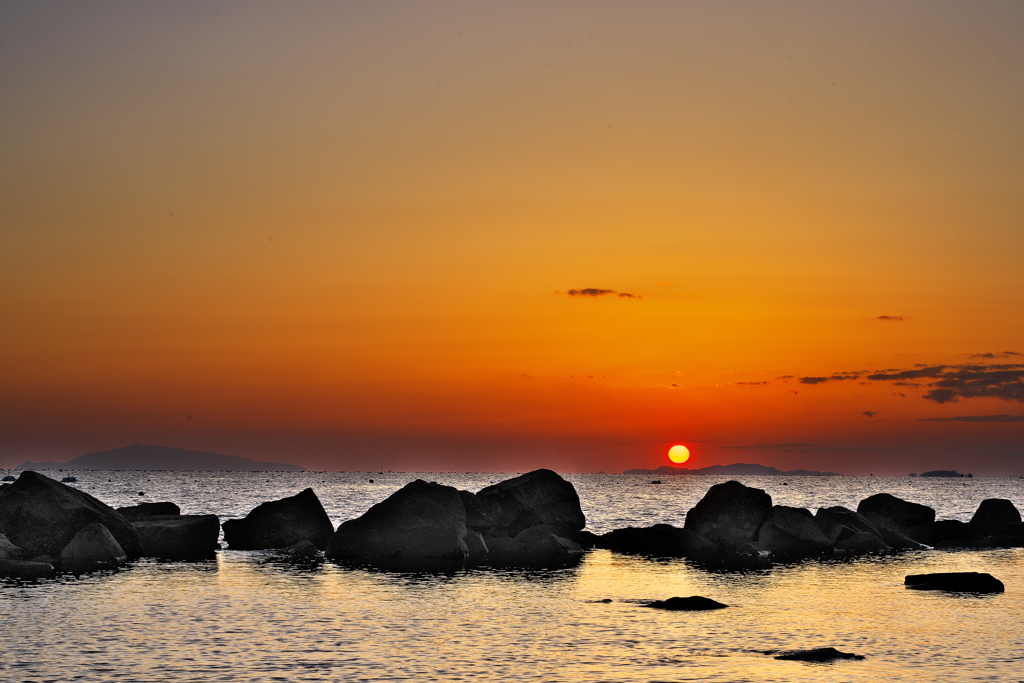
(254, 616)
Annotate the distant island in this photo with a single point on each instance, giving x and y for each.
(944, 473)
(746, 469)
(140, 457)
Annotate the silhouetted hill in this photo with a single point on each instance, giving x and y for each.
(944, 473)
(139, 457)
(747, 469)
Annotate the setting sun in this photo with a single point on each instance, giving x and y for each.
(679, 454)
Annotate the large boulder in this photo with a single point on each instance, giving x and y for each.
(9, 551)
(93, 547)
(420, 527)
(541, 497)
(995, 517)
(42, 516)
(897, 510)
(179, 537)
(944, 533)
(143, 510)
(729, 515)
(660, 540)
(281, 523)
(833, 519)
(790, 533)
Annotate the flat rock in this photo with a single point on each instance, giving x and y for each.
(179, 537)
(281, 523)
(818, 654)
(143, 510)
(957, 582)
(694, 603)
(42, 516)
(25, 569)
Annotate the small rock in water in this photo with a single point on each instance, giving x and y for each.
(958, 582)
(142, 493)
(656, 481)
(818, 654)
(694, 603)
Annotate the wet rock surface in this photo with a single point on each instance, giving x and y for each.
(818, 654)
(694, 603)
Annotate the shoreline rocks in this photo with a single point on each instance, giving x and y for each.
(281, 523)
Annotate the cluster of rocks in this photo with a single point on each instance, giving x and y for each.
(534, 520)
(737, 524)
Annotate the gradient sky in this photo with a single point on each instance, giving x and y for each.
(504, 235)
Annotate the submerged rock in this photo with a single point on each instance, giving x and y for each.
(93, 547)
(818, 654)
(42, 516)
(179, 537)
(281, 523)
(694, 603)
(957, 582)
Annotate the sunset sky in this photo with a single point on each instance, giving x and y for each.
(494, 236)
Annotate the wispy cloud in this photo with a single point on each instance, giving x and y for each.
(869, 413)
(598, 291)
(893, 318)
(976, 418)
(995, 354)
(773, 447)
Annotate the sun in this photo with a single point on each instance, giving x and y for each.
(679, 454)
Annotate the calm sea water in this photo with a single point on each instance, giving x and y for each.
(251, 616)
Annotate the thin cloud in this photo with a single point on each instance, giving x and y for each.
(976, 418)
(994, 354)
(813, 380)
(773, 447)
(893, 318)
(595, 292)
(869, 413)
(752, 384)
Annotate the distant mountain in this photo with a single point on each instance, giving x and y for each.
(139, 457)
(944, 473)
(745, 469)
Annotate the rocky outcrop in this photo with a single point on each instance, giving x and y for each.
(694, 603)
(791, 533)
(9, 551)
(957, 582)
(997, 518)
(143, 510)
(422, 526)
(660, 540)
(93, 547)
(179, 537)
(850, 532)
(729, 515)
(42, 516)
(281, 523)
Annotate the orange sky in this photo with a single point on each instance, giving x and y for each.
(345, 234)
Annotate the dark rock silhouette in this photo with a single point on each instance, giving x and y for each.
(957, 582)
(420, 526)
(143, 510)
(93, 547)
(996, 517)
(694, 603)
(791, 533)
(25, 569)
(942, 473)
(281, 523)
(9, 551)
(660, 540)
(818, 654)
(42, 516)
(729, 515)
(850, 532)
(303, 549)
(895, 509)
(179, 537)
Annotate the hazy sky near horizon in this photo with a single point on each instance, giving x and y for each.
(505, 235)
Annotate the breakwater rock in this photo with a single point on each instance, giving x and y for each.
(737, 525)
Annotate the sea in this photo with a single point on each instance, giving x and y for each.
(257, 616)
